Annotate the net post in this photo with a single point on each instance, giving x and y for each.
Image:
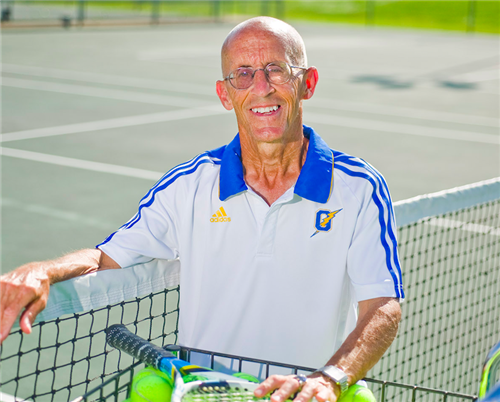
(6, 12)
(264, 7)
(280, 9)
(155, 12)
(370, 13)
(216, 10)
(471, 16)
(81, 12)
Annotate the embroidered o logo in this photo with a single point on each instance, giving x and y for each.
(324, 220)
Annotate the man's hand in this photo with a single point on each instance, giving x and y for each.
(376, 328)
(24, 288)
(316, 386)
(27, 287)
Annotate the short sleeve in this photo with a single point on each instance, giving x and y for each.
(372, 261)
(150, 234)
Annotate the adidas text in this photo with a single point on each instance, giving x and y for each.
(221, 219)
(220, 216)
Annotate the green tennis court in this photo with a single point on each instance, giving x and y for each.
(91, 118)
(129, 98)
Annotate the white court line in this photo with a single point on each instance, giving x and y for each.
(9, 398)
(397, 128)
(113, 123)
(207, 90)
(81, 164)
(480, 76)
(107, 79)
(106, 93)
(405, 112)
(58, 214)
(341, 121)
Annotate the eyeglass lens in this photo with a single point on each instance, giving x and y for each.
(277, 73)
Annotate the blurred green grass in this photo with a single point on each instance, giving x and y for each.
(445, 15)
(454, 15)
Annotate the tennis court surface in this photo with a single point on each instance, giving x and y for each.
(91, 118)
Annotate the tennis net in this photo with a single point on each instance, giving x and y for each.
(449, 245)
(450, 255)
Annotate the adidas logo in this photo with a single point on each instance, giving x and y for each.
(220, 216)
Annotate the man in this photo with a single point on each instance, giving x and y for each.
(280, 238)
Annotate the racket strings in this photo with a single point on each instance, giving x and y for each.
(222, 394)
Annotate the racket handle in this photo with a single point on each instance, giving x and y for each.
(121, 338)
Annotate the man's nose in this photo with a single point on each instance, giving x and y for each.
(261, 84)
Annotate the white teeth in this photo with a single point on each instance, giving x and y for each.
(265, 109)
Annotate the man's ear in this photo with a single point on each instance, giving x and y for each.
(310, 80)
(224, 95)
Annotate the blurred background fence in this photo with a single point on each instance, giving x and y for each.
(459, 15)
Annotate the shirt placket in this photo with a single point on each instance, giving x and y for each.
(267, 219)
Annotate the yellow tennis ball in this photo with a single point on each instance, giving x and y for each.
(358, 393)
(151, 385)
(248, 377)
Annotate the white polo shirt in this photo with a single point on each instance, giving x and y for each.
(277, 282)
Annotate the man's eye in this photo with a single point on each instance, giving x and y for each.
(244, 73)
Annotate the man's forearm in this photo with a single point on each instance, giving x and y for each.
(79, 263)
(27, 287)
(376, 329)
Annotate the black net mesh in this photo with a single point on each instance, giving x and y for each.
(451, 315)
(451, 318)
(64, 358)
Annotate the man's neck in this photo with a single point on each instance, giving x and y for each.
(271, 168)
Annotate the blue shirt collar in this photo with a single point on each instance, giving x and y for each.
(315, 181)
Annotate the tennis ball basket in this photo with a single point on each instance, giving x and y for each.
(120, 387)
(154, 376)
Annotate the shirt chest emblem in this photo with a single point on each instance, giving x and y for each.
(324, 219)
(220, 216)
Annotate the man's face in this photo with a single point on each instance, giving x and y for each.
(265, 112)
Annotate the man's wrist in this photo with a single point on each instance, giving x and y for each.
(337, 377)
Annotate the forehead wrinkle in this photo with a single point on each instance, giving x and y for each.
(257, 56)
(269, 29)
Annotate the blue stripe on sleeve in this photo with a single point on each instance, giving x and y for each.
(169, 178)
(386, 227)
(174, 170)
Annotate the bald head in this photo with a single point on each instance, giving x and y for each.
(272, 28)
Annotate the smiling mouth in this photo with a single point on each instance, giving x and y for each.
(265, 110)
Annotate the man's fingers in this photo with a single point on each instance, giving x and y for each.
(324, 395)
(21, 289)
(7, 318)
(306, 394)
(270, 384)
(11, 304)
(286, 386)
(289, 387)
(28, 316)
(317, 388)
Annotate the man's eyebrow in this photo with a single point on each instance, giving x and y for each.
(265, 64)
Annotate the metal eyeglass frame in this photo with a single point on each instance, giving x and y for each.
(266, 72)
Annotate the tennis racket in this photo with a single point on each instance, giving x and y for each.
(491, 371)
(215, 386)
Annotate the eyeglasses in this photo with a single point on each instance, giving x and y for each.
(277, 72)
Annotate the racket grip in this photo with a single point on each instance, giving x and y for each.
(122, 339)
